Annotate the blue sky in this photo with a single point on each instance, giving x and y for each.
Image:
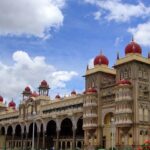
(68, 34)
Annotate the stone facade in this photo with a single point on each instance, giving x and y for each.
(113, 110)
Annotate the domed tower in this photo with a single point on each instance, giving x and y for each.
(98, 78)
(44, 88)
(26, 93)
(100, 74)
(133, 78)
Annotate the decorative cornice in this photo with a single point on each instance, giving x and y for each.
(101, 68)
(132, 57)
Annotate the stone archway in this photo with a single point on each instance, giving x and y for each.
(30, 135)
(17, 136)
(50, 134)
(3, 131)
(66, 128)
(2, 136)
(79, 133)
(66, 134)
(107, 135)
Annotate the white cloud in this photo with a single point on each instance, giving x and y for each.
(91, 63)
(97, 15)
(30, 17)
(118, 40)
(30, 71)
(118, 11)
(141, 33)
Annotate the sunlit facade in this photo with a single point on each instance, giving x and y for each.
(113, 109)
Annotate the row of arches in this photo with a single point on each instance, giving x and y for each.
(67, 136)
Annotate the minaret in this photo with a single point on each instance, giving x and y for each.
(44, 88)
(118, 57)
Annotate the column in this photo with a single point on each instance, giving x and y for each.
(44, 139)
(26, 141)
(74, 139)
(22, 142)
(5, 140)
(57, 140)
(12, 146)
(38, 139)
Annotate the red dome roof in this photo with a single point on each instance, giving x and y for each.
(123, 81)
(1, 99)
(27, 89)
(91, 90)
(133, 47)
(34, 94)
(57, 96)
(44, 84)
(73, 92)
(12, 104)
(101, 60)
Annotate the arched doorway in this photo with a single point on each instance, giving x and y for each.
(17, 136)
(66, 133)
(107, 135)
(3, 131)
(41, 137)
(2, 136)
(30, 135)
(79, 133)
(50, 134)
(9, 137)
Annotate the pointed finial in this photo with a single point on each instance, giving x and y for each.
(101, 52)
(149, 55)
(87, 68)
(118, 55)
(132, 38)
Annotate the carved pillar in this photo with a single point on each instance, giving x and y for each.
(57, 140)
(22, 140)
(26, 140)
(44, 139)
(12, 146)
(74, 139)
(38, 139)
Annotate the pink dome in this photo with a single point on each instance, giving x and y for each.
(44, 84)
(1, 99)
(101, 60)
(133, 47)
(12, 104)
(57, 96)
(73, 92)
(27, 89)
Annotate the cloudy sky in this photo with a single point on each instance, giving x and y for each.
(56, 39)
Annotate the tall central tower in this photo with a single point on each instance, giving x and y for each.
(96, 79)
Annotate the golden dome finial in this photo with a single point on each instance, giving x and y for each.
(132, 38)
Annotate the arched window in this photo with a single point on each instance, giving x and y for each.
(140, 73)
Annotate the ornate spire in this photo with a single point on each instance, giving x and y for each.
(132, 38)
(118, 55)
(87, 68)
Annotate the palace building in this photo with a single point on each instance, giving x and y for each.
(114, 109)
